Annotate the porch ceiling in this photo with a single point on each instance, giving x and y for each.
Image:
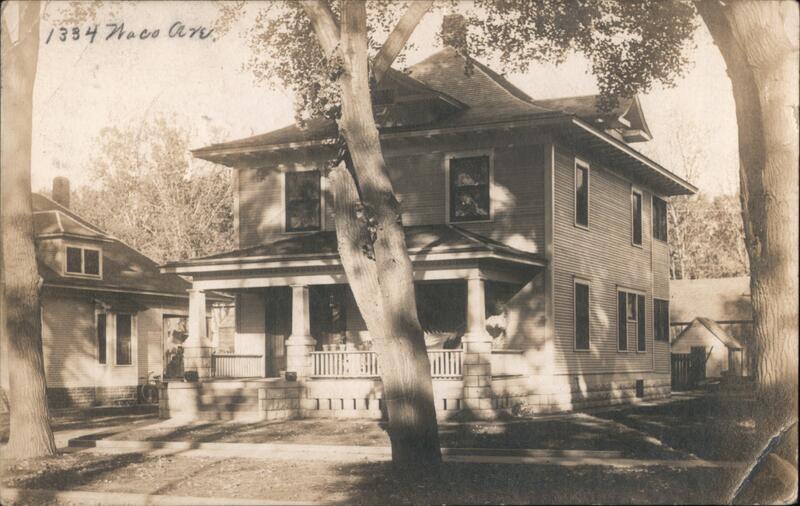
(430, 246)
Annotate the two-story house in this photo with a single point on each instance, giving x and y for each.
(110, 319)
(533, 225)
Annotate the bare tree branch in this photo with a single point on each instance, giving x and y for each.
(325, 25)
(397, 39)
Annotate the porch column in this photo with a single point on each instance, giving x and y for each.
(300, 344)
(477, 344)
(197, 348)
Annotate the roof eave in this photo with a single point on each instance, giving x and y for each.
(682, 187)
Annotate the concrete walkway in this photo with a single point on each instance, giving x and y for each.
(337, 453)
(39, 496)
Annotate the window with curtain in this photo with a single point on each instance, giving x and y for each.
(581, 194)
(302, 197)
(124, 339)
(469, 189)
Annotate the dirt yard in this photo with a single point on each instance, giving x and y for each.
(369, 483)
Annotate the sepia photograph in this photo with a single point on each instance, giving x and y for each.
(399, 252)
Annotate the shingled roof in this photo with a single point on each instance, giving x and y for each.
(421, 241)
(709, 326)
(124, 268)
(482, 99)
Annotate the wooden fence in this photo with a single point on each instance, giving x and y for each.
(688, 370)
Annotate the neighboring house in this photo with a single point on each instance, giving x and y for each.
(726, 301)
(723, 354)
(106, 310)
(537, 235)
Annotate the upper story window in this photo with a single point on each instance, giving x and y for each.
(302, 198)
(581, 193)
(636, 217)
(659, 219)
(83, 261)
(470, 181)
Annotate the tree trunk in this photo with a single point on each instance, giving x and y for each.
(30, 434)
(370, 233)
(758, 41)
(405, 369)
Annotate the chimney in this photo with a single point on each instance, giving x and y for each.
(61, 191)
(454, 32)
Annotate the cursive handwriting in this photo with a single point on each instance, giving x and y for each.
(118, 31)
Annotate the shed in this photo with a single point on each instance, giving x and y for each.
(722, 351)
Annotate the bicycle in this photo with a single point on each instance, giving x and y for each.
(148, 392)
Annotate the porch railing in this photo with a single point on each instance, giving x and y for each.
(345, 364)
(445, 364)
(224, 365)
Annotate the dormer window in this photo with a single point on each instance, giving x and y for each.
(302, 193)
(82, 261)
(470, 181)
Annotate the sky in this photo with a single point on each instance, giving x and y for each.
(84, 86)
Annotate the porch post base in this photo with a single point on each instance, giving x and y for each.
(298, 355)
(198, 358)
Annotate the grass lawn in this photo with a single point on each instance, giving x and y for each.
(369, 483)
(710, 426)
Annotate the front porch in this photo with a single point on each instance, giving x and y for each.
(301, 339)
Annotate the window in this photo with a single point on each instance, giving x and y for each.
(636, 211)
(581, 316)
(622, 322)
(302, 193)
(83, 261)
(100, 327)
(631, 312)
(659, 219)
(661, 320)
(469, 189)
(124, 339)
(641, 335)
(581, 194)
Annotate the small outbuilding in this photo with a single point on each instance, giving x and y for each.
(722, 351)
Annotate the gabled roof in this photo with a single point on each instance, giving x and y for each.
(709, 326)
(626, 117)
(124, 269)
(482, 100)
(721, 299)
(424, 242)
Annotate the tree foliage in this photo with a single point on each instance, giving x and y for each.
(149, 193)
(631, 45)
(706, 237)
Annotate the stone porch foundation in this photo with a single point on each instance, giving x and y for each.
(278, 399)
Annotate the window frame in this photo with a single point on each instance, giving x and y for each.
(446, 167)
(133, 338)
(587, 283)
(635, 191)
(637, 294)
(83, 250)
(666, 319)
(102, 360)
(579, 163)
(285, 201)
(653, 201)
